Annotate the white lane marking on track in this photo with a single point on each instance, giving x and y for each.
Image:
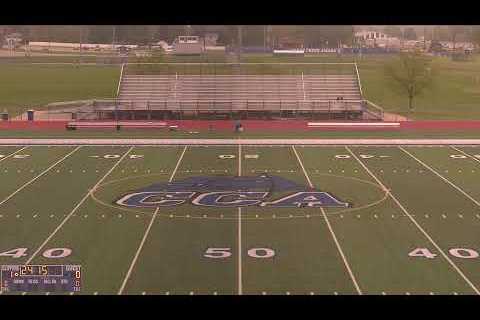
(12, 154)
(77, 206)
(441, 177)
(240, 286)
(38, 176)
(339, 248)
(454, 266)
(147, 231)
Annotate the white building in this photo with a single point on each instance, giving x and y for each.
(377, 39)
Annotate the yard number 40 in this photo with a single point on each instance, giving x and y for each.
(462, 253)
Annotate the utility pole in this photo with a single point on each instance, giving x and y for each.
(264, 38)
(239, 42)
(113, 38)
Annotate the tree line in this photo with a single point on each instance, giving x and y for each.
(251, 35)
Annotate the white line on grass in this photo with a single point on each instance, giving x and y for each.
(440, 176)
(454, 266)
(240, 286)
(147, 231)
(134, 261)
(339, 248)
(12, 154)
(78, 206)
(463, 152)
(38, 176)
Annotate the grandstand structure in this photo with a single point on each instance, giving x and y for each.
(151, 91)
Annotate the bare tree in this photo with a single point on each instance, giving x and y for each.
(412, 73)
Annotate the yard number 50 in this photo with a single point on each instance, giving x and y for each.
(222, 253)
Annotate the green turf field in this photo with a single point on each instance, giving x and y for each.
(411, 227)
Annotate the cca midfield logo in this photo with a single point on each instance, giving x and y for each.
(230, 192)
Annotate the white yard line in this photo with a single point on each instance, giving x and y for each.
(12, 154)
(441, 177)
(137, 254)
(240, 281)
(339, 247)
(38, 176)
(147, 231)
(77, 206)
(452, 264)
(466, 154)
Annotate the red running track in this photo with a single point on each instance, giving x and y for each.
(259, 125)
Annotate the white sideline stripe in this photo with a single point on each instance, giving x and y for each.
(38, 176)
(454, 266)
(240, 281)
(463, 152)
(441, 177)
(77, 206)
(193, 142)
(147, 231)
(354, 124)
(339, 248)
(137, 254)
(12, 154)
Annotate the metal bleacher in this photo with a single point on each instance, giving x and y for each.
(330, 94)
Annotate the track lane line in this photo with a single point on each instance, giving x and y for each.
(452, 264)
(38, 176)
(441, 177)
(147, 231)
(339, 247)
(77, 206)
(13, 153)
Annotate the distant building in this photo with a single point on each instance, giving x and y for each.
(188, 45)
(376, 39)
(211, 39)
(13, 40)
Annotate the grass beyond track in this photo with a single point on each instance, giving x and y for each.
(26, 86)
(411, 228)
